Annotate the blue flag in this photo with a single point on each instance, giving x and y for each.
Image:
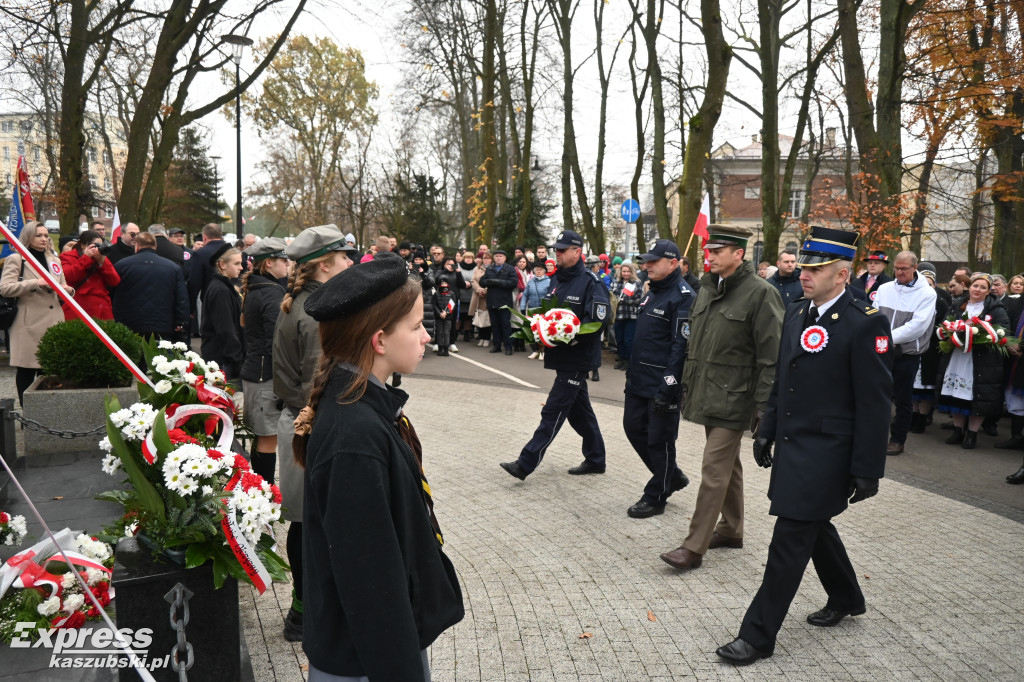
(16, 216)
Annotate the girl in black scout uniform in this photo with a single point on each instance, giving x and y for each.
(384, 588)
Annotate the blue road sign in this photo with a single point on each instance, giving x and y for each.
(630, 210)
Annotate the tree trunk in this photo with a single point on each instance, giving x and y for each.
(702, 125)
(651, 33)
(487, 121)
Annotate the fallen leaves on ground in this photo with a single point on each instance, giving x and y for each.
(586, 635)
(651, 617)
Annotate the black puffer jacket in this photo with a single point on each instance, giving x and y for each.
(260, 309)
(427, 282)
(988, 363)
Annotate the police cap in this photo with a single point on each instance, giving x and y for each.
(663, 248)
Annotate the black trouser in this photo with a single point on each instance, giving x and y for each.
(904, 369)
(653, 437)
(501, 324)
(23, 378)
(294, 549)
(568, 399)
(793, 543)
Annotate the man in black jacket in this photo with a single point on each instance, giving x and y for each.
(828, 412)
(787, 278)
(165, 247)
(500, 281)
(200, 269)
(151, 298)
(691, 279)
(125, 246)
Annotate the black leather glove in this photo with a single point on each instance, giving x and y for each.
(666, 402)
(862, 488)
(755, 420)
(763, 452)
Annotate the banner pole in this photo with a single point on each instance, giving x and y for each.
(69, 300)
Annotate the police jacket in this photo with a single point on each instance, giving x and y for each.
(384, 589)
(659, 348)
(151, 297)
(577, 290)
(789, 286)
(260, 309)
(732, 349)
(501, 282)
(828, 412)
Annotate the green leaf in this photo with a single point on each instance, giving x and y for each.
(147, 495)
(196, 555)
(160, 438)
(122, 497)
(220, 571)
(590, 327)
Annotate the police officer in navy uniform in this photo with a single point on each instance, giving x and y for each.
(828, 416)
(575, 289)
(653, 392)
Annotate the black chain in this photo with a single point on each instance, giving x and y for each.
(33, 425)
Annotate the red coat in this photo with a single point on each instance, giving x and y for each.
(92, 285)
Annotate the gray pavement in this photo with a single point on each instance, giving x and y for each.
(547, 561)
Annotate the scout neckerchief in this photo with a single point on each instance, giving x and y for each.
(408, 434)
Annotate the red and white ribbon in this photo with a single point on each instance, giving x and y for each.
(244, 552)
(180, 416)
(51, 279)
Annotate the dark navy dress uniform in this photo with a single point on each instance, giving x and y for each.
(569, 399)
(828, 416)
(655, 369)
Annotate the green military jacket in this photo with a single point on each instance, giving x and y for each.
(733, 348)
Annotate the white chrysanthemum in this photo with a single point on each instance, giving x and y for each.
(163, 386)
(121, 417)
(105, 445)
(111, 464)
(73, 603)
(49, 607)
(94, 549)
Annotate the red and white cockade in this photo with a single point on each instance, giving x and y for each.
(814, 339)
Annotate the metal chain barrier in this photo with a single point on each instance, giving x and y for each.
(178, 599)
(33, 425)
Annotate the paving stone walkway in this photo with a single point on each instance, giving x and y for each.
(546, 562)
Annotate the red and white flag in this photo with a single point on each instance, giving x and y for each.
(115, 227)
(700, 228)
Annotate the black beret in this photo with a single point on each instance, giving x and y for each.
(356, 288)
(221, 250)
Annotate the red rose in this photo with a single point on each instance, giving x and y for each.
(5, 517)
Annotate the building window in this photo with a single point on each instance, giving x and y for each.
(792, 246)
(106, 157)
(8, 177)
(751, 192)
(35, 154)
(92, 154)
(107, 184)
(758, 251)
(7, 153)
(796, 203)
(7, 127)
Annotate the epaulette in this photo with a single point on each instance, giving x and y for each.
(868, 309)
(684, 289)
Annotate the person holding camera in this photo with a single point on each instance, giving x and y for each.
(93, 276)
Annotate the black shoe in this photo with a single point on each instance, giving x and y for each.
(740, 652)
(625, 366)
(595, 376)
(618, 363)
(642, 510)
(508, 351)
(679, 483)
(495, 349)
(917, 422)
(293, 626)
(1016, 478)
(947, 426)
(586, 468)
(829, 617)
(991, 427)
(1014, 443)
(514, 469)
(970, 440)
(957, 437)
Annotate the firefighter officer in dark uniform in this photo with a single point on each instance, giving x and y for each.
(828, 417)
(568, 399)
(653, 392)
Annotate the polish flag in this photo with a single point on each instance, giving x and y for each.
(700, 228)
(115, 227)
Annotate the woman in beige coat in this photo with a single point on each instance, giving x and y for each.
(478, 305)
(38, 305)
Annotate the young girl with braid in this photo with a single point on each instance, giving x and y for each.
(319, 253)
(384, 589)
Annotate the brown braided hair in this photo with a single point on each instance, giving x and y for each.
(300, 274)
(347, 339)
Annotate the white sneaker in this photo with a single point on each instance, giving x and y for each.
(482, 343)
(435, 347)
(533, 356)
(541, 357)
(453, 348)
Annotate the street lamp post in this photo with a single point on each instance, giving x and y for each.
(238, 45)
(216, 186)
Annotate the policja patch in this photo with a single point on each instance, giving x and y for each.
(600, 311)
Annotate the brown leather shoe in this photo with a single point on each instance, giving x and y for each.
(719, 540)
(682, 558)
(894, 449)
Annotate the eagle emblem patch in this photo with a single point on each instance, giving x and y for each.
(881, 344)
